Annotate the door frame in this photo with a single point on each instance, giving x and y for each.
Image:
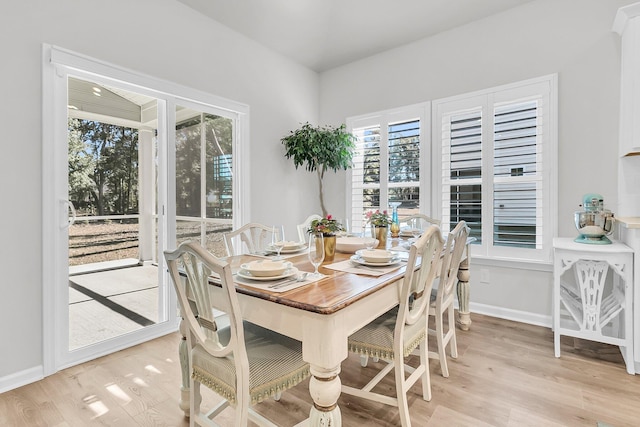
(58, 63)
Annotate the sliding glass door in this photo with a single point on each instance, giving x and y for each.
(133, 166)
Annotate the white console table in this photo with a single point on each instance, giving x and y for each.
(593, 294)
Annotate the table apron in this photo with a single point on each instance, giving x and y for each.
(323, 336)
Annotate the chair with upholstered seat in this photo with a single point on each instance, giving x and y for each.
(302, 228)
(393, 336)
(254, 238)
(442, 299)
(243, 363)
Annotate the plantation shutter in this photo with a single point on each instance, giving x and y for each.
(365, 174)
(462, 170)
(517, 189)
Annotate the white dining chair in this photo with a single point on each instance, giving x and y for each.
(302, 228)
(443, 298)
(420, 221)
(254, 238)
(393, 336)
(243, 363)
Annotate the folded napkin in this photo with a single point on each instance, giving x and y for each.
(350, 267)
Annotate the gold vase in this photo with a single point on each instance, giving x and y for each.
(381, 235)
(329, 248)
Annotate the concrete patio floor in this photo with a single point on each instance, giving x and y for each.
(105, 304)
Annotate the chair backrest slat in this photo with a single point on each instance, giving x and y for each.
(253, 236)
(420, 221)
(191, 267)
(422, 268)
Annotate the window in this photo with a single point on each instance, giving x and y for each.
(497, 152)
(389, 163)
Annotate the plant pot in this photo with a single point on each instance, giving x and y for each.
(381, 235)
(329, 248)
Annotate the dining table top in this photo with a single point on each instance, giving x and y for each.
(333, 292)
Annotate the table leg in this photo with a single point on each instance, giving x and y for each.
(464, 316)
(325, 388)
(184, 366)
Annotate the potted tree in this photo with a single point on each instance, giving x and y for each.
(320, 148)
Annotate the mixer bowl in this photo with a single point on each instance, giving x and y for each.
(593, 225)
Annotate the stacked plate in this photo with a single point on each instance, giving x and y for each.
(409, 232)
(350, 245)
(289, 247)
(376, 257)
(267, 270)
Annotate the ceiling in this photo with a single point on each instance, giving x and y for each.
(323, 34)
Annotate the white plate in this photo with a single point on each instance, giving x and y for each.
(288, 273)
(370, 256)
(351, 244)
(395, 260)
(408, 232)
(287, 250)
(266, 268)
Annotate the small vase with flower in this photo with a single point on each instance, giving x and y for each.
(328, 227)
(380, 222)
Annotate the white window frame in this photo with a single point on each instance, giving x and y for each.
(547, 88)
(422, 112)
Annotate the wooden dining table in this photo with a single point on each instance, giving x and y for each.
(321, 315)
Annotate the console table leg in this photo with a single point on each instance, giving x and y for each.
(464, 315)
(183, 354)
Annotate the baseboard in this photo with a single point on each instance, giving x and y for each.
(510, 314)
(21, 378)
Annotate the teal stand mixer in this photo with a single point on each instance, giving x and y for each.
(594, 223)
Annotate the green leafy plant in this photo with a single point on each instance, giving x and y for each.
(377, 218)
(319, 149)
(327, 226)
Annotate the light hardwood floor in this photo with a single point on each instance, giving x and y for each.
(505, 375)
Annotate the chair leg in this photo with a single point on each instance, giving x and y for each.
(426, 377)
(364, 359)
(242, 411)
(195, 398)
(441, 345)
(401, 392)
(453, 345)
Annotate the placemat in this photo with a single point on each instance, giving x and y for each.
(282, 285)
(349, 267)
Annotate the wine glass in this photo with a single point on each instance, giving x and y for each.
(368, 239)
(277, 240)
(345, 227)
(416, 229)
(316, 252)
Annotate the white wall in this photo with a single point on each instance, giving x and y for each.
(161, 38)
(570, 37)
